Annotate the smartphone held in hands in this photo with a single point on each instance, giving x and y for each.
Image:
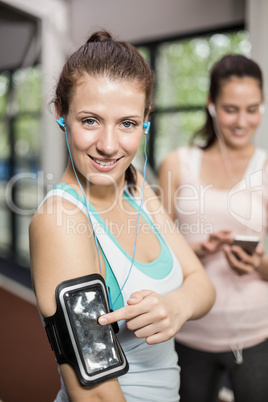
(247, 243)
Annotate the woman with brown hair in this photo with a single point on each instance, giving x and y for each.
(95, 222)
(219, 190)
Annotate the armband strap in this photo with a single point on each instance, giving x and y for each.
(75, 336)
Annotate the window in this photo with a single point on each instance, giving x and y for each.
(182, 78)
(20, 124)
(5, 154)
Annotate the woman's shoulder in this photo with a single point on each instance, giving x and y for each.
(58, 220)
(62, 247)
(171, 161)
(258, 162)
(58, 202)
(63, 198)
(265, 169)
(176, 154)
(168, 161)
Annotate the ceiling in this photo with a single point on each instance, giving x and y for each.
(71, 21)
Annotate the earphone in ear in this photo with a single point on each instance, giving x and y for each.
(61, 122)
(211, 110)
(146, 125)
(262, 108)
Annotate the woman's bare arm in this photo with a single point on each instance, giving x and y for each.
(62, 248)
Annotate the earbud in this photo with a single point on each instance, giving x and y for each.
(146, 125)
(211, 110)
(61, 122)
(262, 108)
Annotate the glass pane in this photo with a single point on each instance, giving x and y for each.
(4, 152)
(5, 227)
(174, 130)
(144, 51)
(23, 238)
(27, 84)
(19, 194)
(27, 137)
(182, 67)
(24, 205)
(4, 83)
(28, 193)
(4, 141)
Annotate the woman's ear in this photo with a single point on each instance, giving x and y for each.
(57, 113)
(211, 108)
(209, 101)
(146, 117)
(59, 118)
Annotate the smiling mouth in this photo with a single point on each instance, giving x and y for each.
(239, 132)
(104, 163)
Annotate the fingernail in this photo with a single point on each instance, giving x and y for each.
(132, 299)
(103, 320)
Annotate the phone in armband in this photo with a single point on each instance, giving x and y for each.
(247, 243)
(77, 338)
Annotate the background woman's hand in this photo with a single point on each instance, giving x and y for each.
(214, 243)
(241, 262)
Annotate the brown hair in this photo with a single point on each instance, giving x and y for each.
(231, 65)
(101, 55)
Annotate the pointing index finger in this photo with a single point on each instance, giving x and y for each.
(123, 313)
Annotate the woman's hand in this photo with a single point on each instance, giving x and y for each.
(241, 262)
(213, 244)
(150, 315)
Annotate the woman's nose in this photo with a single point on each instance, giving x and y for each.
(241, 119)
(107, 143)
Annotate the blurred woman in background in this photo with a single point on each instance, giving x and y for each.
(216, 191)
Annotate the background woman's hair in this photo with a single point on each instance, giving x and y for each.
(104, 56)
(231, 65)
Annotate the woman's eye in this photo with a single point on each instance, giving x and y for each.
(89, 122)
(253, 110)
(128, 124)
(230, 110)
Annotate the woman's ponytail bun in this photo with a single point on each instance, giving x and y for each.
(100, 36)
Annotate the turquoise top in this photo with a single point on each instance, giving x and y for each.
(153, 370)
(157, 269)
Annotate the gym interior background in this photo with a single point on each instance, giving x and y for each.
(180, 38)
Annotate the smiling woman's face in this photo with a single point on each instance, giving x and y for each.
(105, 125)
(238, 110)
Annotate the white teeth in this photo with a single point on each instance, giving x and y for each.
(104, 163)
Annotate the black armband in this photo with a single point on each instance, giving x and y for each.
(76, 338)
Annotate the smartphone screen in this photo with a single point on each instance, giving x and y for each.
(247, 243)
(97, 343)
